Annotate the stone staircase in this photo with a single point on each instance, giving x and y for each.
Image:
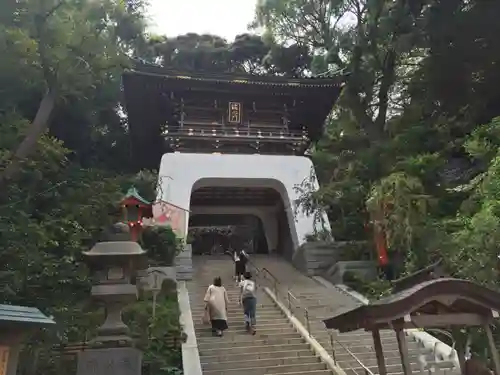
(322, 302)
(275, 349)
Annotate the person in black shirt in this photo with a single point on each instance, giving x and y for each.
(240, 258)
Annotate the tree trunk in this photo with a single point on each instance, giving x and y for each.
(28, 145)
(388, 75)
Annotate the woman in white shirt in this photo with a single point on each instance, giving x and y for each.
(216, 303)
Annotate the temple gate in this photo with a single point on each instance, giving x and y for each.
(230, 145)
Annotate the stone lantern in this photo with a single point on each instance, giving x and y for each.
(115, 264)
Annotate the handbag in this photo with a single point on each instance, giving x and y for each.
(206, 316)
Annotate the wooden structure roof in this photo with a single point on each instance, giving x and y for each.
(22, 316)
(150, 76)
(133, 197)
(433, 303)
(148, 91)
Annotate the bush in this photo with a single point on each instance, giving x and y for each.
(160, 338)
(161, 244)
(371, 290)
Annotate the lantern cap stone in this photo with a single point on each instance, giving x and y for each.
(120, 228)
(134, 194)
(115, 249)
(116, 232)
(22, 315)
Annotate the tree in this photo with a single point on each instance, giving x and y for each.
(373, 40)
(56, 43)
(390, 117)
(63, 60)
(248, 53)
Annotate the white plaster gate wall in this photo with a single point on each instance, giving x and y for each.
(181, 173)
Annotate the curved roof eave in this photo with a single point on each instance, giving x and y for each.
(234, 78)
(410, 300)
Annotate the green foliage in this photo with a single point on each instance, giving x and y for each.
(161, 244)
(406, 133)
(484, 141)
(371, 289)
(246, 54)
(398, 205)
(146, 183)
(61, 198)
(160, 337)
(410, 145)
(472, 250)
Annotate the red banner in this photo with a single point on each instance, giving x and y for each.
(168, 214)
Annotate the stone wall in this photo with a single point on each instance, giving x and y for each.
(364, 269)
(312, 258)
(331, 259)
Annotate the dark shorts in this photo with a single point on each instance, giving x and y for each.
(239, 268)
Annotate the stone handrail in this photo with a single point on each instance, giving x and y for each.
(191, 363)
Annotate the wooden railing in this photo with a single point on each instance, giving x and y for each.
(257, 131)
(302, 313)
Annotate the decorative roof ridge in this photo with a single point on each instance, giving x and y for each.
(432, 271)
(132, 192)
(235, 78)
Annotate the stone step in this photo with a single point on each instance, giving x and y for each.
(314, 372)
(282, 369)
(263, 325)
(391, 369)
(248, 340)
(267, 348)
(369, 356)
(238, 318)
(359, 340)
(356, 347)
(265, 310)
(318, 334)
(243, 337)
(390, 358)
(239, 311)
(235, 296)
(256, 362)
(238, 331)
(280, 351)
(349, 362)
(240, 325)
(234, 307)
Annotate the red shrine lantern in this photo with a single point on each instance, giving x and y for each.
(379, 239)
(135, 208)
(381, 245)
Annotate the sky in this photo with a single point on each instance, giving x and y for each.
(225, 18)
